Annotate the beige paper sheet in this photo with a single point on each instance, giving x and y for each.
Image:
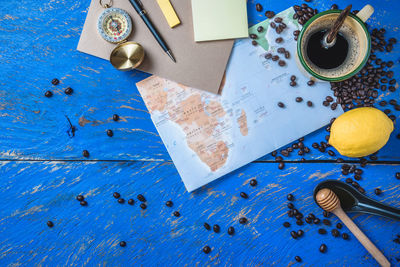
(199, 65)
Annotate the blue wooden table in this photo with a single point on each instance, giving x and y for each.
(42, 169)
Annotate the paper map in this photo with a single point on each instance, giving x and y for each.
(208, 135)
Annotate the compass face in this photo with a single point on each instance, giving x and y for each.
(114, 25)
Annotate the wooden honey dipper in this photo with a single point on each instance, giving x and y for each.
(329, 201)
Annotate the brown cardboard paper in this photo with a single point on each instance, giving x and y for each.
(199, 65)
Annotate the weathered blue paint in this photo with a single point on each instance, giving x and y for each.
(37, 43)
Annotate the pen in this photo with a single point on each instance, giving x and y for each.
(138, 6)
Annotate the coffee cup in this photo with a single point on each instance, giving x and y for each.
(353, 46)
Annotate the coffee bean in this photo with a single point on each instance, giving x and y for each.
(295, 212)
(207, 226)
(308, 220)
(177, 214)
(345, 236)
(309, 103)
(300, 233)
(131, 201)
(397, 175)
(270, 14)
(287, 54)
(393, 81)
(122, 243)
(390, 64)
(290, 213)
(331, 153)
(293, 83)
(299, 216)
(206, 249)
(357, 177)
(275, 58)
(281, 50)
(323, 248)
(55, 81)
(282, 63)
(244, 195)
(286, 224)
(334, 6)
(242, 220)
(216, 228)
(297, 258)
(85, 153)
(299, 99)
(293, 234)
(121, 201)
(110, 133)
(281, 105)
(253, 36)
(326, 214)
(290, 197)
(260, 28)
(310, 83)
(392, 40)
(278, 19)
(253, 182)
(279, 40)
(116, 195)
(299, 222)
(48, 94)
(321, 231)
(272, 25)
(143, 206)
(378, 191)
(268, 56)
(115, 117)
(259, 7)
(335, 233)
(278, 158)
(231, 230)
(254, 43)
(80, 197)
(68, 91)
(316, 221)
(290, 205)
(141, 198)
(392, 102)
(83, 203)
(50, 224)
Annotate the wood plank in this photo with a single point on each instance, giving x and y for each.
(39, 43)
(35, 192)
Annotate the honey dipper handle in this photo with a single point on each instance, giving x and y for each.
(364, 240)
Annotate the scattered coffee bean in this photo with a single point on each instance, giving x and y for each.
(334, 6)
(48, 94)
(309, 103)
(279, 40)
(121, 201)
(297, 258)
(115, 117)
(253, 182)
(286, 224)
(50, 224)
(110, 133)
(397, 175)
(326, 214)
(177, 214)
(287, 54)
(299, 222)
(308, 220)
(335, 233)
(207, 226)
(85, 153)
(345, 236)
(254, 43)
(131, 201)
(270, 14)
(310, 83)
(275, 58)
(242, 220)
(216, 228)
(122, 243)
(116, 195)
(206, 249)
(299, 99)
(281, 50)
(55, 81)
(253, 36)
(290, 197)
(378, 191)
(293, 84)
(260, 28)
(293, 234)
(244, 195)
(80, 197)
(231, 230)
(268, 56)
(321, 231)
(169, 203)
(272, 25)
(83, 203)
(143, 206)
(323, 248)
(68, 91)
(281, 105)
(316, 221)
(300, 233)
(141, 198)
(278, 19)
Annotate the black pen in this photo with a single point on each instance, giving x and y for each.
(138, 6)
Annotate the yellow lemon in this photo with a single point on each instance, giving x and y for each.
(360, 132)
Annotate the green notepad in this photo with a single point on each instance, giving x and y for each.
(219, 19)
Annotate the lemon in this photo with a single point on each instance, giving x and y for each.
(360, 132)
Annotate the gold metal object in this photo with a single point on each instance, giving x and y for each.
(110, 3)
(127, 56)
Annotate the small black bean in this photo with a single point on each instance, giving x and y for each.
(323, 248)
(297, 258)
(345, 236)
(216, 228)
(335, 233)
(253, 182)
(242, 220)
(80, 197)
(321, 231)
(85, 153)
(254, 43)
(68, 91)
(55, 81)
(253, 36)
(293, 83)
(121, 201)
(281, 105)
(290, 197)
(316, 221)
(270, 14)
(231, 230)
(141, 198)
(326, 214)
(177, 214)
(334, 6)
(397, 175)
(287, 54)
(282, 63)
(110, 133)
(50, 224)
(299, 99)
(279, 40)
(259, 7)
(115, 117)
(293, 234)
(206, 249)
(143, 206)
(48, 94)
(207, 226)
(310, 83)
(278, 19)
(122, 243)
(300, 233)
(83, 203)
(299, 222)
(116, 195)
(275, 58)
(244, 195)
(339, 226)
(378, 191)
(260, 28)
(268, 56)
(286, 224)
(309, 103)
(169, 203)
(131, 201)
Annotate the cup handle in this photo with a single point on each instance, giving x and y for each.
(365, 12)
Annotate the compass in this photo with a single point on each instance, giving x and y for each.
(114, 25)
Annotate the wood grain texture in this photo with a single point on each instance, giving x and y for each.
(35, 192)
(38, 42)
